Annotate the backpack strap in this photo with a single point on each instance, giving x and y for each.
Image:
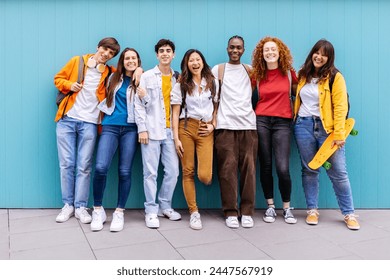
(108, 75)
(80, 79)
(213, 91)
(221, 73)
(331, 81)
(176, 74)
(184, 106)
(289, 92)
(248, 70)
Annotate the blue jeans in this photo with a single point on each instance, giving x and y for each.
(112, 137)
(310, 134)
(274, 136)
(151, 153)
(75, 143)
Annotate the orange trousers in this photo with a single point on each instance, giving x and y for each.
(200, 147)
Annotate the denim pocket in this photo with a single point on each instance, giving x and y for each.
(298, 120)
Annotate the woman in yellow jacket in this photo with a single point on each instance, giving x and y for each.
(318, 112)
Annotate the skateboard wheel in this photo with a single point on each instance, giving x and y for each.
(354, 132)
(327, 165)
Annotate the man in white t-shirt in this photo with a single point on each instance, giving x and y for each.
(236, 138)
(77, 119)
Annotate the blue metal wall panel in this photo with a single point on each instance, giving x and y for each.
(3, 189)
(383, 137)
(370, 100)
(37, 37)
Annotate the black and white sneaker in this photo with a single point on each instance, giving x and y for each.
(288, 216)
(269, 215)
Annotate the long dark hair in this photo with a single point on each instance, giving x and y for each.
(118, 74)
(308, 70)
(187, 85)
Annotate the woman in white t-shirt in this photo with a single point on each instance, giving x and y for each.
(321, 109)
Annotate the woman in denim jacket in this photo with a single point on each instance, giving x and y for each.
(319, 112)
(119, 131)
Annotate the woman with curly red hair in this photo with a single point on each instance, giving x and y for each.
(275, 77)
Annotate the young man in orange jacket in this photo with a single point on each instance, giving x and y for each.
(77, 119)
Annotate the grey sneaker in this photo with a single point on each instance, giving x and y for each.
(288, 216)
(269, 215)
(66, 212)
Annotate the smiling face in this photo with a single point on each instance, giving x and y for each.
(319, 59)
(165, 55)
(271, 54)
(235, 50)
(130, 62)
(103, 54)
(195, 64)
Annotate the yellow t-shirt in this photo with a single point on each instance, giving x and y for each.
(166, 90)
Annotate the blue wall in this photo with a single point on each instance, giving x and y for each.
(37, 37)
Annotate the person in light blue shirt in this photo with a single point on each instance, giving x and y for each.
(153, 118)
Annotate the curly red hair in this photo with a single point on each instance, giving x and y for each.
(259, 65)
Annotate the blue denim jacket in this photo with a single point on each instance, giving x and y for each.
(150, 111)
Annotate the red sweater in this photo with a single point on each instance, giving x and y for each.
(274, 98)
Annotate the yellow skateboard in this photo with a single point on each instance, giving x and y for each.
(325, 151)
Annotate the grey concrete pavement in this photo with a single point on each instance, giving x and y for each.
(33, 234)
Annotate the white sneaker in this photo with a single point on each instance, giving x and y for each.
(83, 215)
(169, 213)
(98, 219)
(232, 222)
(117, 221)
(65, 214)
(152, 221)
(247, 221)
(195, 221)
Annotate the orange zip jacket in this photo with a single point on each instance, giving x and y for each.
(64, 79)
